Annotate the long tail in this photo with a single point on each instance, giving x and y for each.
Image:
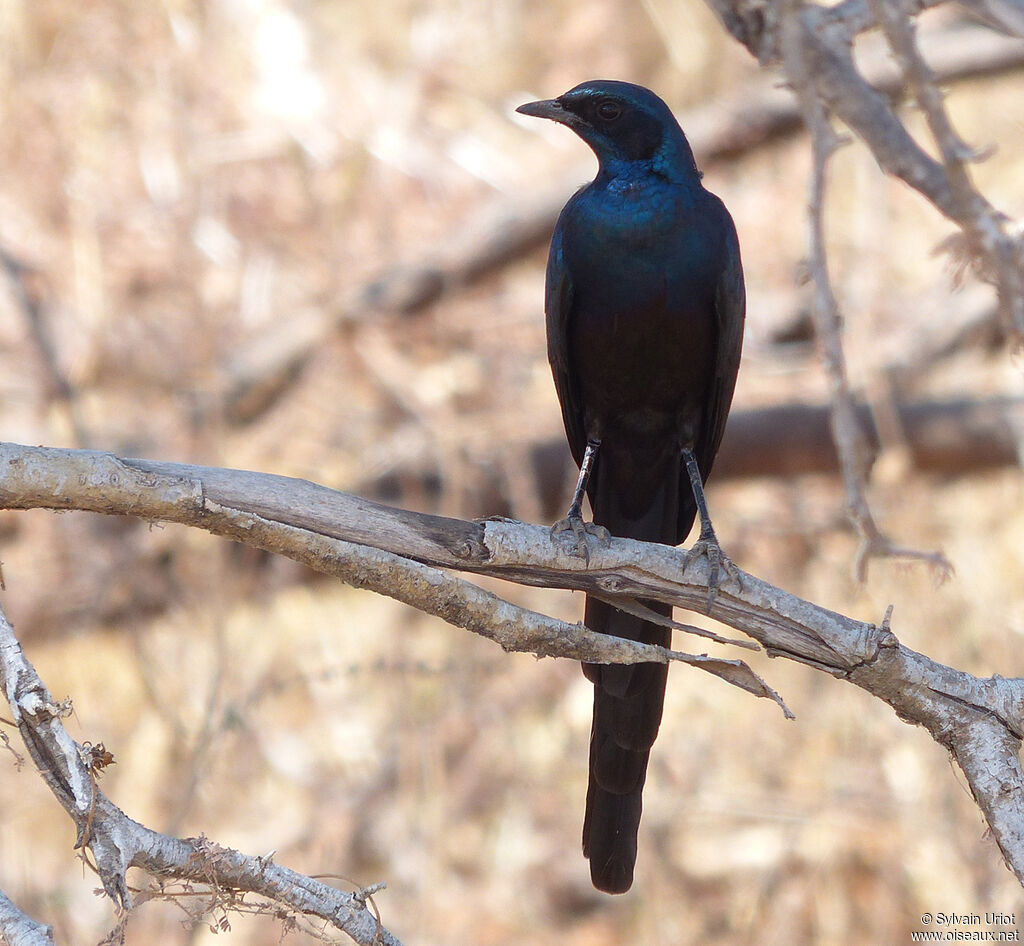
(636, 497)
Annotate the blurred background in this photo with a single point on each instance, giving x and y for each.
(308, 238)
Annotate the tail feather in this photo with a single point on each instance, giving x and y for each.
(609, 836)
(616, 770)
(628, 699)
(624, 729)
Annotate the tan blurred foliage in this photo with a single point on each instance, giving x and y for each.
(181, 180)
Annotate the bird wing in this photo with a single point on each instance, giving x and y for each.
(730, 311)
(557, 309)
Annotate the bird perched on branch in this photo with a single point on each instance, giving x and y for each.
(645, 308)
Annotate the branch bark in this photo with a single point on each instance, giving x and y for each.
(117, 842)
(980, 721)
(17, 929)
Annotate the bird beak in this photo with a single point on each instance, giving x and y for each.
(549, 108)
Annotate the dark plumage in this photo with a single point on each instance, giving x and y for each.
(645, 308)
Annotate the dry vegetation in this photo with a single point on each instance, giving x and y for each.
(186, 188)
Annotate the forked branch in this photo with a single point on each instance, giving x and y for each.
(402, 554)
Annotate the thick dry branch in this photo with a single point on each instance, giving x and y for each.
(17, 929)
(117, 842)
(368, 545)
(951, 437)
(955, 437)
(979, 720)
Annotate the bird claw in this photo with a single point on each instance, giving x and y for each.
(707, 547)
(581, 530)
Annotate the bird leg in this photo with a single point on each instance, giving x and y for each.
(573, 522)
(707, 545)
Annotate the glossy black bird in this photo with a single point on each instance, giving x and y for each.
(645, 308)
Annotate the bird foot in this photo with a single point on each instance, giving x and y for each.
(581, 529)
(707, 547)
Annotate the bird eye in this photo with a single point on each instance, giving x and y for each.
(609, 110)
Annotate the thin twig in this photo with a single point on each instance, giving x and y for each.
(847, 433)
(986, 229)
(59, 387)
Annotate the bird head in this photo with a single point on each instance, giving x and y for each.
(624, 124)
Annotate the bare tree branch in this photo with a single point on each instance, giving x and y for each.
(814, 45)
(979, 720)
(959, 437)
(117, 842)
(16, 929)
(847, 433)
(25, 287)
